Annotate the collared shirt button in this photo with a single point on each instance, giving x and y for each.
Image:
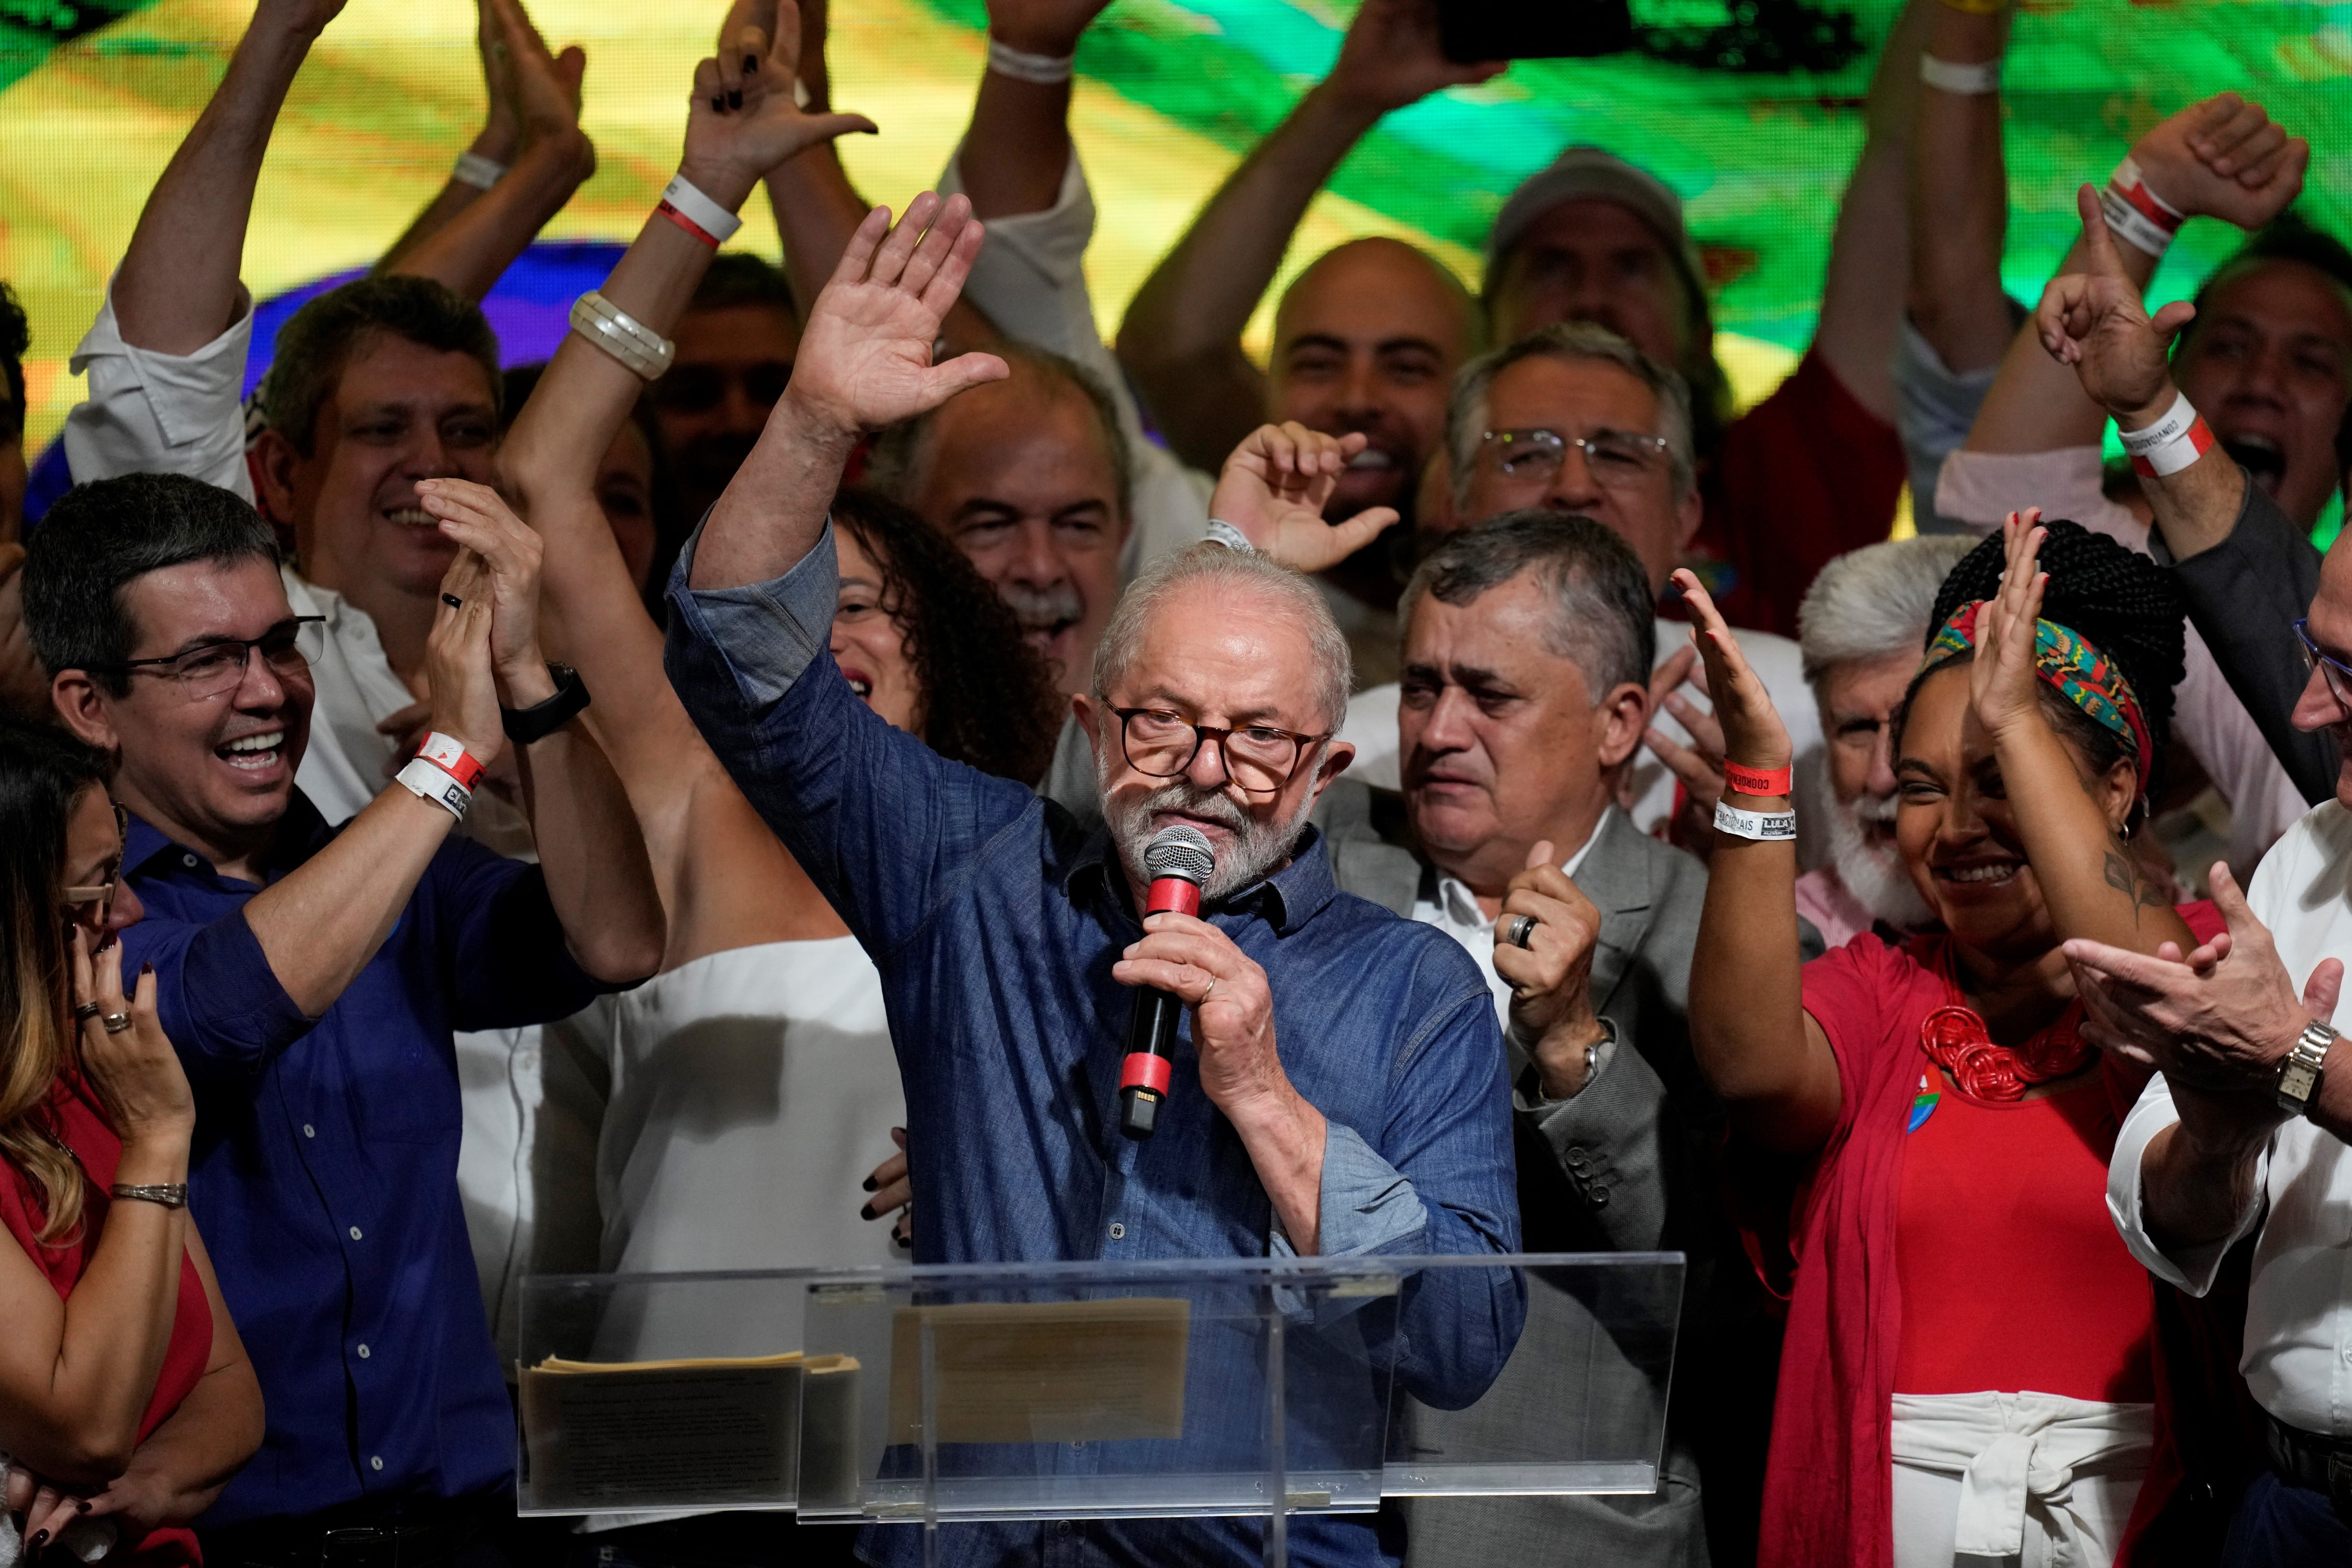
(363, 1352)
(376, 1461)
(1117, 1230)
(1599, 1198)
(309, 1131)
(189, 861)
(355, 1233)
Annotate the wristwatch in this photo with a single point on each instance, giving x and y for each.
(2298, 1079)
(540, 720)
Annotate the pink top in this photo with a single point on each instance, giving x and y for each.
(1836, 913)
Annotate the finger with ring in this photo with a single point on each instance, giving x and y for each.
(1210, 991)
(84, 1011)
(1521, 931)
(453, 602)
(115, 1023)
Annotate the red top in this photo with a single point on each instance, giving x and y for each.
(73, 1115)
(1806, 475)
(1828, 1489)
(2011, 1273)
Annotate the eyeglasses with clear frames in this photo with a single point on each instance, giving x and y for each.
(91, 905)
(2335, 671)
(1259, 759)
(208, 669)
(1617, 460)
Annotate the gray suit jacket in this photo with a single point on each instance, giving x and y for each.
(1621, 1167)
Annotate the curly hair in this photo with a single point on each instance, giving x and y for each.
(2118, 600)
(988, 700)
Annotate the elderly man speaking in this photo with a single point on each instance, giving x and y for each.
(1342, 1091)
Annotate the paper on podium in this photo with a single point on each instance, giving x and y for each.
(632, 1435)
(1043, 1371)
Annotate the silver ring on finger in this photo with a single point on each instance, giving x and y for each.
(115, 1023)
(1521, 931)
(84, 1011)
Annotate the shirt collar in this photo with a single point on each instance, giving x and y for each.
(1453, 897)
(1286, 901)
(301, 833)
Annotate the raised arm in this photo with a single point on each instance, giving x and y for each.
(1182, 338)
(2222, 158)
(1862, 290)
(473, 247)
(177, 288)
(865, 361)
(495, 147)
(1759, 1048)
(1019, 143)
(1959, 195)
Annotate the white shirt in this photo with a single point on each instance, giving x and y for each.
(1030, 280)
(1372, 727)
(147, 413)
(1455, 911)
(2298, 1354)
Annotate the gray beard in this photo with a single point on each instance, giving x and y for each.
(1876, 878)
(1257, 846)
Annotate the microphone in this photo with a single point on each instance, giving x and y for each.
(1178, 862)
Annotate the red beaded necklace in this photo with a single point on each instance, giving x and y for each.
(1957, 1040)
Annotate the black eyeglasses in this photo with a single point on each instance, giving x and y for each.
(1259, 759)
(211, 668)
(2335, 671)
(699, 388)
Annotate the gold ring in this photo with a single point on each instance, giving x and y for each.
(1212, 991)
(115, 1023)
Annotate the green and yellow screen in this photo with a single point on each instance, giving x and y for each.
(1751, 108)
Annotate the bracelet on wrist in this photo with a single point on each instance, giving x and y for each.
(2136, 214)
(1220, 532)
(1762, 827)
(1963, 78)
(1045, 70)
(683, 202)
(2170, 444)
(477, 171)
(171, 1195)
(642, 351)
(527, 726)
(1762, 783)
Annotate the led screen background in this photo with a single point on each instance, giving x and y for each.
(1756, 131)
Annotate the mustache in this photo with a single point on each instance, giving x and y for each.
(1183, 794)
(1035, 607)
(1877, 812)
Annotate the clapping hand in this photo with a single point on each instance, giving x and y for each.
(458, 662)
(1042, 27)
(2001, 680)
(508, 556)
(743, 120)
(1273, 489)
(1753, 735)
(2224, 158)
(1390, 58)
(1552, 976)
(865, 358)
(540, 89)
(2096, 321)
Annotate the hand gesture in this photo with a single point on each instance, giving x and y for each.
(2219, 1019)
(501, 134)
(743, 118)
(865, 358)
(1698, 765)
(1551, 977)
(1233, 1007)
(135, 1071)
(1043, 27)
(2224, 158)
(1390, 58)
(1753, 735)
(894, 1193)
(509, 553)
(2002, 680)
(545, 87)
(1273, 489)
(2097, 321)
(457, 661)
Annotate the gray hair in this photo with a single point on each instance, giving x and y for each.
(895, 465)
(1576, 343)
(1604, 615)
(1230, 572)
(1875, 602)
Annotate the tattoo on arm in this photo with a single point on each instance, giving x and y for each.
(2125, 876)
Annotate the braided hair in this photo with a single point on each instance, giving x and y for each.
(2119, 600)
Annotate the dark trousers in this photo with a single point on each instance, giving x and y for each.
(2282, 1525)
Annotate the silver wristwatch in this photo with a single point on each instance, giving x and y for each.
(2298, 1079)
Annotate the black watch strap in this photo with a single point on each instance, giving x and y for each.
(540, 720)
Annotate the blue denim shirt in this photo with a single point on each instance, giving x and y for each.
(995, 921)
(324, 1172)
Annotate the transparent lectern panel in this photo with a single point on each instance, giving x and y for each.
(660, 1391)
(1075, 1391)
(1580, 1408)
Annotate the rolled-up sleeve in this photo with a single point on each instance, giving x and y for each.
(215, 995)
(1367, 1206)
(160, 414)
(2191, 1268)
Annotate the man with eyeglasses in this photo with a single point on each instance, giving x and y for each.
(1341, 1090)
(310, 977)
(1576, 420)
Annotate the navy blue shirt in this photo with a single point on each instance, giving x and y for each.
(994, 920)
(324, 1173)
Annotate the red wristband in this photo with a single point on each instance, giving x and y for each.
(449, 754)
(688, 225)
(1760, 782)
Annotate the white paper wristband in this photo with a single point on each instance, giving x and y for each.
(682, 196)
(1232, 537)
(1954, 76)
(1765, 827)
(428, 782)
(1045, 70)
(477, 171)
(2136, 214)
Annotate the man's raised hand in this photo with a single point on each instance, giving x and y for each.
(744, 120)
(2097, 321)
(1042, 27)
(1273, 489)
(1390, 58)
(544, 84)
(865, 358)
(2224, 158)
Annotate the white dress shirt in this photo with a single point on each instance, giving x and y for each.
(1454, 908)
(2298, 1354)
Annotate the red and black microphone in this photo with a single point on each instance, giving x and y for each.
(1179, 862)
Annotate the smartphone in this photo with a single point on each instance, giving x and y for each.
(1473, 30)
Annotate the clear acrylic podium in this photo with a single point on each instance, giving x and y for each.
(933, 1395)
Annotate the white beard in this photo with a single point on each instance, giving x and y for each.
(1876, 878)
(1258, 844)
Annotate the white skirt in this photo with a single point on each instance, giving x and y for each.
(2027, 1479)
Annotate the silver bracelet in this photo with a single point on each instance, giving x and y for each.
(477, 171)
(171, 1195)
(1045, 70)
(1962, 78)
(1764, 827)
(647, 353)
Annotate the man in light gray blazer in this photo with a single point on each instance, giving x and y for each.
(1529, 642)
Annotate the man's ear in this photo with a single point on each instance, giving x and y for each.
(1619, 720)
(1688, 513)
(83, 709)
(274, 462)
(1082, 709)
(1336, 758)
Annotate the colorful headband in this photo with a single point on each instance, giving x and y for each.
(2078, 671)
